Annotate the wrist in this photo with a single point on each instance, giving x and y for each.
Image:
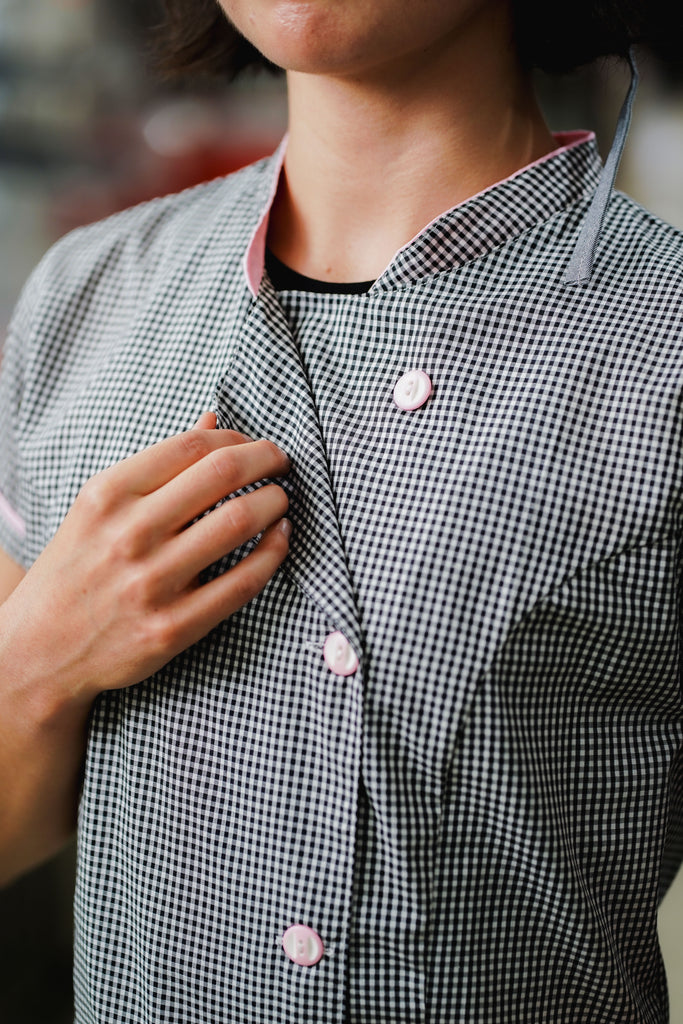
(34, 694)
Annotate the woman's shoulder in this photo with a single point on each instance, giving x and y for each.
(172, 228)
(101, 279)
(644, 241)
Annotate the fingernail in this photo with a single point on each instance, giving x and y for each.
(285, 527)
(286, 457)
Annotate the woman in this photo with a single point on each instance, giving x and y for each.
(427, 768)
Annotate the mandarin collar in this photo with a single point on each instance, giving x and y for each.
(474, 227)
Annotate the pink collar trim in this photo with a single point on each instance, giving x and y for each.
(255, 256)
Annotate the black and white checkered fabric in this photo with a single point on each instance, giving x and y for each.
(480, 821)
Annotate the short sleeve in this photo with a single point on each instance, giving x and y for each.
(12, 362)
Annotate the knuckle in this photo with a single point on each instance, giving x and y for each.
(139, 590)
(130, 539)
(122, 548)
(161, 635)
(238, 518)
(97, 497)
(246, 585)
(195, 444)
(223, 466)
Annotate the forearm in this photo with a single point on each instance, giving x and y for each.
(41, 756)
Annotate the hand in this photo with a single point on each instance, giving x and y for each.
(116, 593)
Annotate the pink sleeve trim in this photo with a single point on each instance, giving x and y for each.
(12, 517)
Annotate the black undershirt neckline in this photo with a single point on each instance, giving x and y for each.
(284, 279)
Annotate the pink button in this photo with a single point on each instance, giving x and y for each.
(302, 945)
(412, 390)
(339, 655)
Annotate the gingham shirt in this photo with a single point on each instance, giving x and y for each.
(479, 821)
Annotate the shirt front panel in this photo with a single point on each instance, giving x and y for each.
(475, 820)
(533, 665)
(218, 801)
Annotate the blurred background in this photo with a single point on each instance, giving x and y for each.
(86, 128)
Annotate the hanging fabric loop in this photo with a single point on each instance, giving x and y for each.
(580, 267)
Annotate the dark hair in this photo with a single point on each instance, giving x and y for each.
(562, 37)
(198, 38)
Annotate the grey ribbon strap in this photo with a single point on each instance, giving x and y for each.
(581, 264)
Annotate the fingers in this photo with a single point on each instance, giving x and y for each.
(127, 565)
(207, 421)
(203, 608)
(219, 474)
(226, 528)
(152, 468)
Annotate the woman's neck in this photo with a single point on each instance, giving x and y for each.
(372, 159)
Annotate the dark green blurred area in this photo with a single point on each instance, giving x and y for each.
(36, 940)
